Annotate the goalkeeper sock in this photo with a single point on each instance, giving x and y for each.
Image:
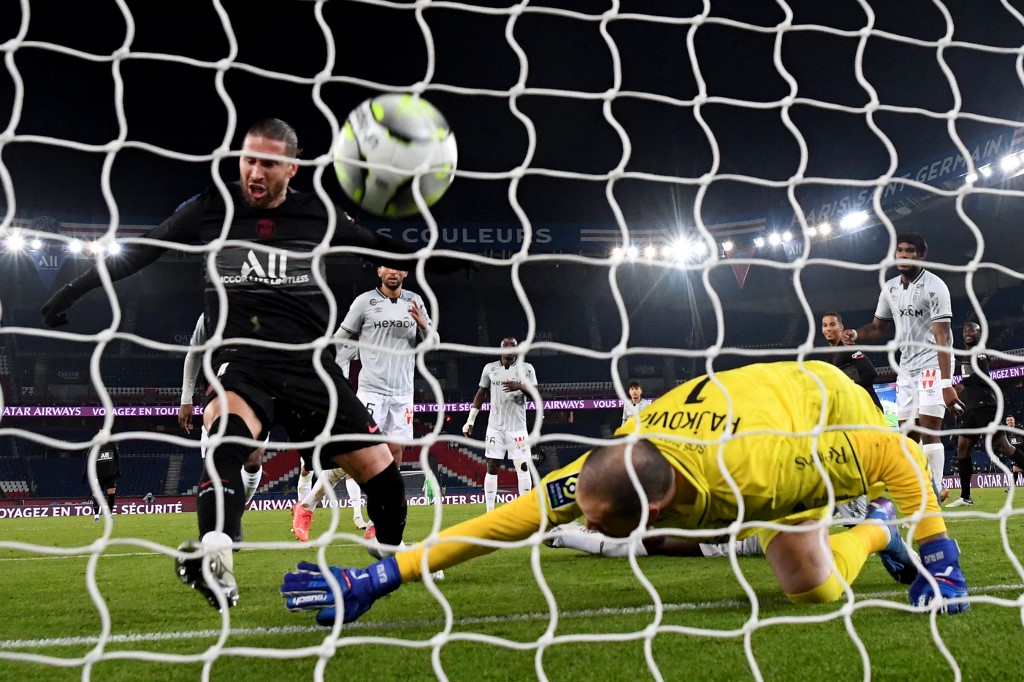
(850, 550)
(386, 505)
(110, 501)
(251, 481)
(490, 490)
(227, 463)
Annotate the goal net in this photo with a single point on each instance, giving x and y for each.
(646, 191)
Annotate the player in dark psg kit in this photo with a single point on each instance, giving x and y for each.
(108, 471)
(266, 269)
(980, 399)
(853, 362)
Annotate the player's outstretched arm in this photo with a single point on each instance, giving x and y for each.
(178, 228)
(308, 589)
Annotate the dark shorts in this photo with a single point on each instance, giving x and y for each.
(978, 418)
(108, 481)
(293, 396)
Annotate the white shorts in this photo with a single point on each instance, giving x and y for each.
(393, 414)
(511, 442)
(919, 394)
(204, 437)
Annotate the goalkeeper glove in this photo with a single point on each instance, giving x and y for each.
(55, 310)
(307, 589)
(941, 559)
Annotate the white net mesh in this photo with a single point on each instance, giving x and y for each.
(649, 190)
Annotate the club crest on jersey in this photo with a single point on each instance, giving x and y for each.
(562, 491)
(265, 228)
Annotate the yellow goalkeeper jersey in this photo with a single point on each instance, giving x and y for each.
(757, 423)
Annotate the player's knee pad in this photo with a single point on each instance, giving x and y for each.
(230, 455)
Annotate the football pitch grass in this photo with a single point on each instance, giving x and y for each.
(602, 625)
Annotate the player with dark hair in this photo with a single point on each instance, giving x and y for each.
(918, 301)
(637, 401)
(979, 396)
(273, 297)
(764, 430)
(108, 472)
(507, 380)
(853, 362)
(392, 321)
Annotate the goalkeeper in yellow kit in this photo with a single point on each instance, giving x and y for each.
(769, 426)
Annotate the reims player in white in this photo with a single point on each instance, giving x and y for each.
(506, 380)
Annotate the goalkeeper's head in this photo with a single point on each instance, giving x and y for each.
(607, 496)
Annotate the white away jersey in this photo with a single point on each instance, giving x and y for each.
(386, 325)
(508, 408)
(914, 309)
(629, 410)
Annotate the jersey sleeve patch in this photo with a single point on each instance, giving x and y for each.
(562, 491)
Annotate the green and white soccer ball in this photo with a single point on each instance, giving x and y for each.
(387, 144)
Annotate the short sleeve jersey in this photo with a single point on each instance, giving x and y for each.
(107, 464)
(388, 365)
(508, 408)
(976, 392)
(629, 410)
(914, 309)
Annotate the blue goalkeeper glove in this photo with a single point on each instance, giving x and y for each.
(941, 559)
(307, 589)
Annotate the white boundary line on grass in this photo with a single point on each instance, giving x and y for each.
(20, 644)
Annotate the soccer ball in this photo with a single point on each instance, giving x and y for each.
(386, 144)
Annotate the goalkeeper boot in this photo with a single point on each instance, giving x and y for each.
(302, 519)
(220, 563)
(941, 558)
(895, 557)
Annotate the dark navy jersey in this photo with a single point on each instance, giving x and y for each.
(976, 392)
(859, 368)
(108, 466)
(265, 265)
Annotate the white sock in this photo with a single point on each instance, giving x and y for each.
(250, 482)
(525, 482)
(305, 483)
(748, 547)
(221, 542)
(330, 478)
(315, 494)
(490, 490)
(593, 542)
(936, 454)
(355, 494)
